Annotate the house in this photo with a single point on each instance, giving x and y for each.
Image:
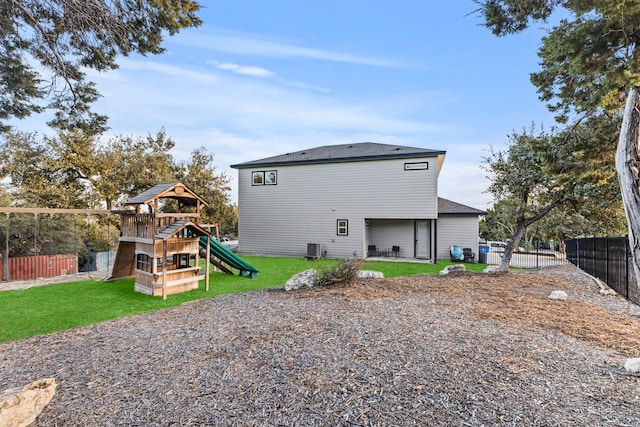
(336, 201)
(457, 224)
(161, 249)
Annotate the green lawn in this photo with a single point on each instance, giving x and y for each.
(43, 309)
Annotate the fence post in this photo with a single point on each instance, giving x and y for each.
(627, 249)
(607, 263)
(5, 262)
(35, 247)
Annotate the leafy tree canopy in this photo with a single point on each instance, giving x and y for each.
(542, 171)
(201, 176)
(588, 60)
(73, 170)
(46, 44)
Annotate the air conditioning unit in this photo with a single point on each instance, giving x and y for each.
(314, 251)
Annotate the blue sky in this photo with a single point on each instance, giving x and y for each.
(264, 78)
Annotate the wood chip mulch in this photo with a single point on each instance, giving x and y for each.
(460, 350)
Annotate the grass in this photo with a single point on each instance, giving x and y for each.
(44, 309)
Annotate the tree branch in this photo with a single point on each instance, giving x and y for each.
(52, 47)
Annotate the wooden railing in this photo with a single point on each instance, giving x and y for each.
(146, 226)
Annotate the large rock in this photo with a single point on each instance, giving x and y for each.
(632, 365)
(306, 279)
(451, 268)
(369, 274)
(20, 407)
(560, 295)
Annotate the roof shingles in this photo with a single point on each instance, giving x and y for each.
(342, 153)
(448, 207)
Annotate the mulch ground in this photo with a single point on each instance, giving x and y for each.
(466, 349)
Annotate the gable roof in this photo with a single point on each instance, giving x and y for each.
(447, 207)
(342, 153)
(170, 190)
(178, 225)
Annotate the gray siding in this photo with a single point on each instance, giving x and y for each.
(457, 230)
(308, 200)
(388, 233)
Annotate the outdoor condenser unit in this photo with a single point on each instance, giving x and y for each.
(314, 250)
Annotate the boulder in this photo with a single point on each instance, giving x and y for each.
(632, 365)
(369, 274)
(561, 295)
(306, 279)
(491, 268)
(607, 292)
(454, 267)
(19, 407)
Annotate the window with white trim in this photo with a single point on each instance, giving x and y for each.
(343, 227)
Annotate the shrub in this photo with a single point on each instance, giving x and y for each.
(345, 271)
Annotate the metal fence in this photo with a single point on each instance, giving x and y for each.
(608, 259)
(47, 266)
(42, 266)
(535, 258)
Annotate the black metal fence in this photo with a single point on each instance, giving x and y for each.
(608, 259)
(535, 258)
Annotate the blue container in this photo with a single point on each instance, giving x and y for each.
(483, 250)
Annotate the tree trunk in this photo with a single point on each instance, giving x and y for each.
(522, 226)
(627, 163)
(511, 245)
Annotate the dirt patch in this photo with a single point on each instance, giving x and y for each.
(517, 299)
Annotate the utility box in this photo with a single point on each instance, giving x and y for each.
(314, 251)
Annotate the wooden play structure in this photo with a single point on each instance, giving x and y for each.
(161, 250)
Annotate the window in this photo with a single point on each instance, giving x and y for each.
(183, 260)
(419, 166)
(257, 178)
(343, 227)
(264, 177)
(143, 263)
(270, 178)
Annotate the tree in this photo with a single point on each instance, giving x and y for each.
(46, 44)
(521, 176)
(200, 175)
(74, 170)
(590, 63)
(500, 220)
(602, 218)
(542, 172)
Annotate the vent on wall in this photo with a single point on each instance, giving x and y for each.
(314, 251)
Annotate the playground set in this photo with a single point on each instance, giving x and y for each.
(162, 250)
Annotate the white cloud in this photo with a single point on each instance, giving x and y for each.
(170, 70)
(258, 45)
(178, 96)
(242, 69)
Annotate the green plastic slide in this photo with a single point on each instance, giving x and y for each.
(226, 255)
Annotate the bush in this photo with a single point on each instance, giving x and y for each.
(345, 271)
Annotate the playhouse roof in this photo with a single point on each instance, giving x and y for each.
(179, 225)
(343, 153)
(171, 190)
